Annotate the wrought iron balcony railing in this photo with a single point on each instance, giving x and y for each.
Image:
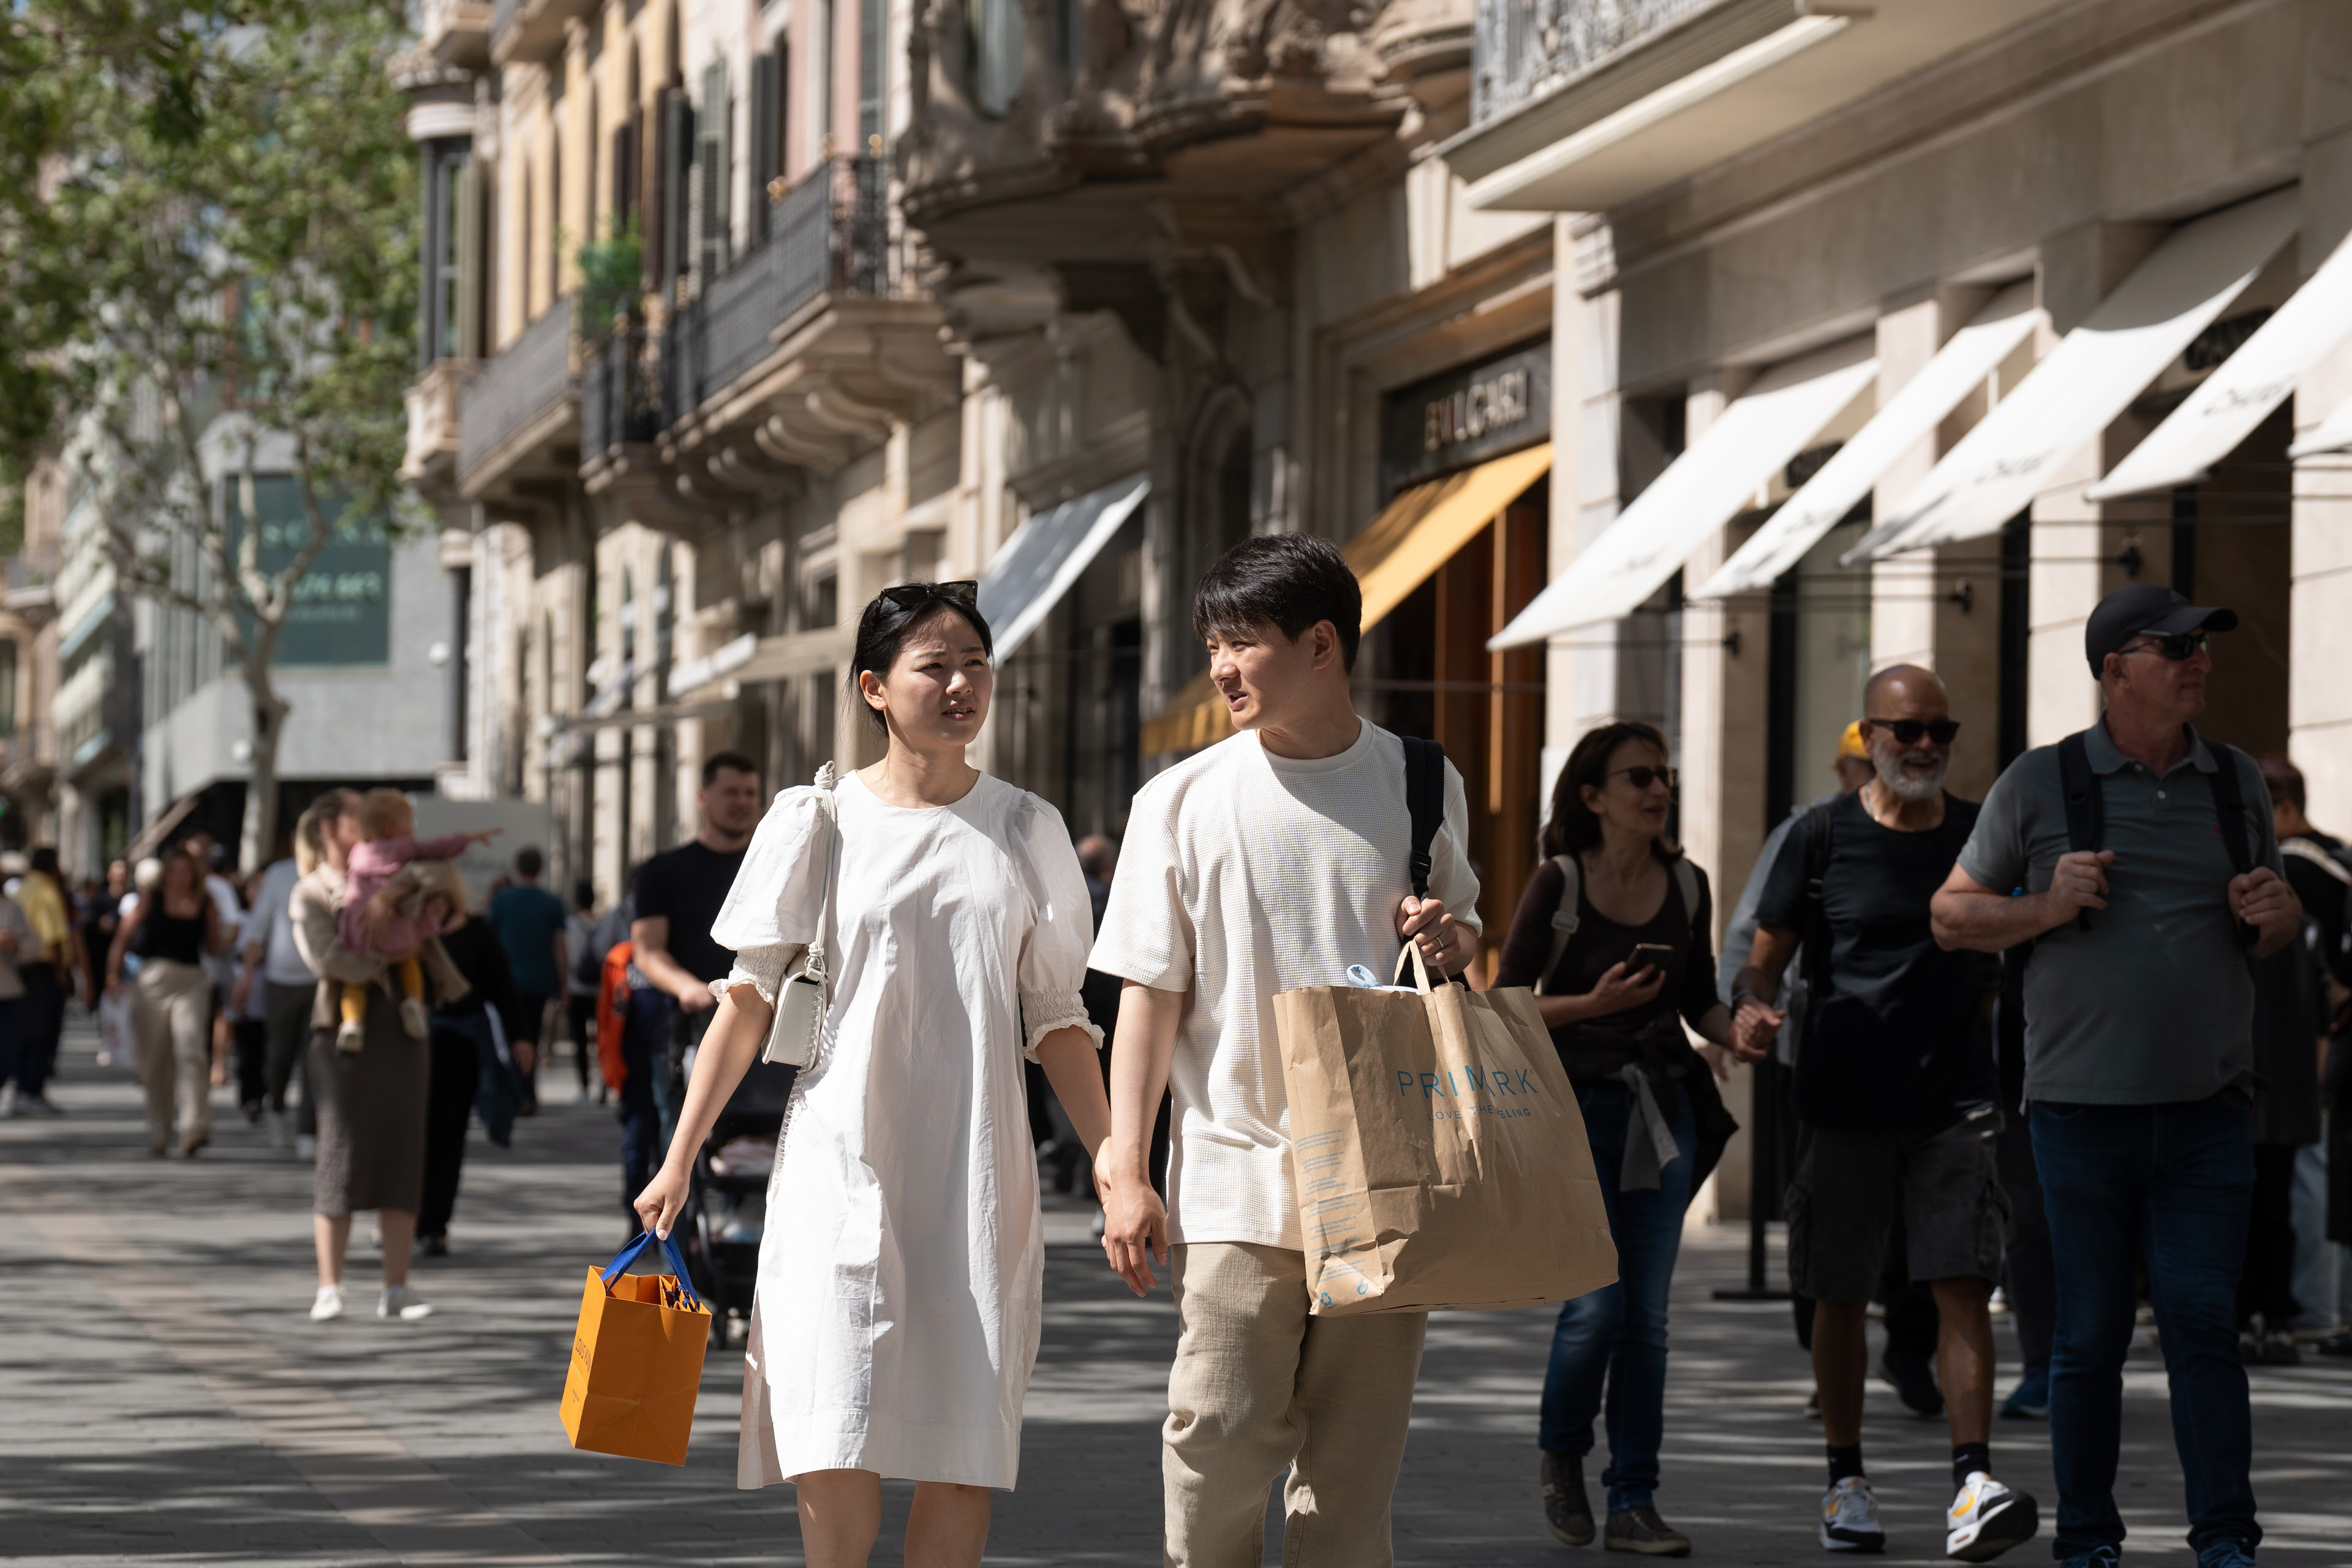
(830, 234)
(619, 402)
(1522, 49)
(530, 377)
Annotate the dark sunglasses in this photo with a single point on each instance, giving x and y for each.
(2178, 646)
(914, 595)
(1906, 732)
(1642, 775)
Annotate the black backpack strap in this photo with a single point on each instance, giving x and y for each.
(1814, 935)
(2230, 807)
(2085, 808)
(1424, 800)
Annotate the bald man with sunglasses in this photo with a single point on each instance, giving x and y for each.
(1897, 1102)
(2139, 1002)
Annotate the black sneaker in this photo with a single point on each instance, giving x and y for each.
(1641, 1529)
(1566, 1508)
(432, 1246)
(1914, 1382)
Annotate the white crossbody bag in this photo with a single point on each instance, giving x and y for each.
(806, 990)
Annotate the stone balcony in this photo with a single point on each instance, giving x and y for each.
(1589, 105)
(519, 416)
(1187, 125)
(456, 32)
(802, 354)
(533, 29)
(436, 405)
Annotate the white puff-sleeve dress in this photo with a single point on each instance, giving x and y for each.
(903, 1263)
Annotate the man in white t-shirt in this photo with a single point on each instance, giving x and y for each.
(1267, 863)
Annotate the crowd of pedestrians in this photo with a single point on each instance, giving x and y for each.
(2064, 1049)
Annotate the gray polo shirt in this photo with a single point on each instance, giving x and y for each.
(2155, 1003)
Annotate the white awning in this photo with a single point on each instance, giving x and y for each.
(2334, 434)
(1908, 419)
(1699, 492)
(2226, 407)
(2089, 378)
(1045, 556)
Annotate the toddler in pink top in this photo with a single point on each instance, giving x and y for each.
(388, 844)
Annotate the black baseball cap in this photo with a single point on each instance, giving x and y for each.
(2145, 610)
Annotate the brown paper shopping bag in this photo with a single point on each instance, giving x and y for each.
(1439, 1153)
(636, 1360)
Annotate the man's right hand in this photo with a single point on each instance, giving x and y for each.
(1754, 1027)
(695, 997)
(2078, 882)
(1135, 1228)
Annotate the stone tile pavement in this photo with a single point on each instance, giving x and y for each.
(163, 1397)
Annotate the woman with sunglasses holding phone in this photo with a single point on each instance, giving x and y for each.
(901, 1272)
(1635, 964)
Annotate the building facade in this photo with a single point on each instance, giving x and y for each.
(1905, 334)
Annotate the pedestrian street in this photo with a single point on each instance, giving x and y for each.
(168, 1400)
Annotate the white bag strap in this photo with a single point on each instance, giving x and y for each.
(1564, 920)
(829, 808)
(2304, 849)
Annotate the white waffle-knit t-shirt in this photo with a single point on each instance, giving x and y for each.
(1244, 875)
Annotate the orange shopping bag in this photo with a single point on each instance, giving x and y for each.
(636, 1359)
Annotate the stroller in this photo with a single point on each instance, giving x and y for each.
(727, 1211)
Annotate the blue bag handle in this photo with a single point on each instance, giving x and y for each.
(629, 1254)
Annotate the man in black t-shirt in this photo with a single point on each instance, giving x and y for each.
(677, 896)
(1895, 1094)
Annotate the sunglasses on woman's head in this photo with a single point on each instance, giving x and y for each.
(1642, 775)
(2178, 646)
(914, 595)
(1906, 732)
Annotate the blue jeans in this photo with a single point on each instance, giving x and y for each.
(2173, 1182)
(1619, 1332)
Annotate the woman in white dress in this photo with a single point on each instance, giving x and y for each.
(902, 1267)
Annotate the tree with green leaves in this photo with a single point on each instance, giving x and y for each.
(208, 273)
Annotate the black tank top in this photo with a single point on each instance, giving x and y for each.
(179, 937)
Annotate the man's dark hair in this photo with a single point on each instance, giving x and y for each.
(893, 617)
(2283, 779)
(1287, 580)
(731, 762)
(584, 895)
(529, 862)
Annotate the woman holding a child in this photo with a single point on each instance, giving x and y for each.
(899, 1288)
(370, 1099)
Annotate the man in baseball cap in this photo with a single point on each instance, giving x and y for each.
(2140, 864)
(2145, 610)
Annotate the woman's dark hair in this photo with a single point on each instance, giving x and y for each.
(893, 616)
(1287, 580)
(2282, 778)
(1573, 829)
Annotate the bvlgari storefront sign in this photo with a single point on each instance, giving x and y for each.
(1466, 416)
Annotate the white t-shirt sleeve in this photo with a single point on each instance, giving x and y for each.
(1452, 878)
(1052, 965)
(1147, 929)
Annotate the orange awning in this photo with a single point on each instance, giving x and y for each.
(1416, 534)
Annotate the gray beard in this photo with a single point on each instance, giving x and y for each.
(1905, 785)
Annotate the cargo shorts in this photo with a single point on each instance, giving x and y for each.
(1843, 1201)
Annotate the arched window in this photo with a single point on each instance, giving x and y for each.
(1000, 47)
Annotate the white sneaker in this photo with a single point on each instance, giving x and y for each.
(1849, 1518)
(7, 1101)
(328, 1305)
(411, 1017)
(401, 1302)
(273, 1125)
(1987, 1518)
(350, 1038)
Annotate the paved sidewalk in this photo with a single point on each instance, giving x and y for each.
(167, 1400)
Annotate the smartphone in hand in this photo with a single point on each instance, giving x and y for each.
(1647, 956)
